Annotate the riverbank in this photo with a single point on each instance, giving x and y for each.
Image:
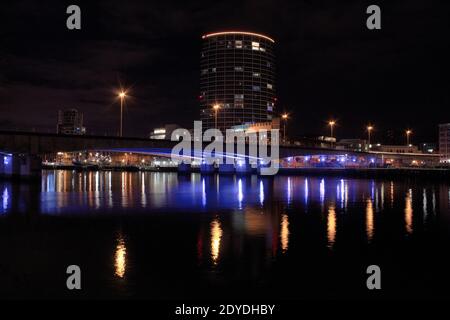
(433, 173)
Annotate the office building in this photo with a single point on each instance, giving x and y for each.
(70, 122)
(237, 80)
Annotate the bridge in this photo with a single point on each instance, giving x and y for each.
(22, 151)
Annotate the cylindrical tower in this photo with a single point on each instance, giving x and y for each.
(237, 80)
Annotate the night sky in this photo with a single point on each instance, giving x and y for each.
(328, 63)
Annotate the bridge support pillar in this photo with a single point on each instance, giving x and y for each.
(243, 167)
(184, 168)
(226, 168)
(2, 165)
(20, 166)
(206, 168)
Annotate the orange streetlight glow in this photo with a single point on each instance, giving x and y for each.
(285, 117)
(216, 108)
(408, 134)
(369, 131)
(331, 123)
(122, 95)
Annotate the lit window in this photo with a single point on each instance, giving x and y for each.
(256, 88)
(238, 44)
(238, 69)
(204, 71)
(262, 49)
(269, 86)
(256, 74)
(239, 100)
(255, 46)
(213, 70)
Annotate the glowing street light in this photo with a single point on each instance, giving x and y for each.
(331, 123)
(122, 96)
(285, 118)
(369, 131)
(408, 134)
(216, 108)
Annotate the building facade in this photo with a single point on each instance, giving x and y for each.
(353, 145)
(163, 133)
(395, 148)
(70, 122)
(444, 142)
(237, 79)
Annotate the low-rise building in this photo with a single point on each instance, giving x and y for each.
(395, 148)
(353, 144)
(163, 133)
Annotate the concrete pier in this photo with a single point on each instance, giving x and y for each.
(206, 168)
(226, 168)
(20, 166)
(184, 168)
(244, 168)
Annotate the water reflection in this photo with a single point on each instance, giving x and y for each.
(82, 193)
(222, 228)
(216, 236)
(331, 226)
(306, 191)
(369, 220)
(5, 199)
(409, 212)
(284, 234)
(240, 193)
(424, 200)
(120, 257)
(261, 193)
(322, 193)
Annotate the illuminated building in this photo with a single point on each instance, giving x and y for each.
(163, 133)
(444, 142)
(70, 122)
(237, 81)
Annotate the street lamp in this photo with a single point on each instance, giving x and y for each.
(369, 131)
(331, 123)
(122, 96)
(285, 118)
(216, 108)
(408, 134)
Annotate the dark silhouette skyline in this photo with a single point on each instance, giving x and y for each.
(329, 65)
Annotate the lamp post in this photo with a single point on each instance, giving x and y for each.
(369, 131)
(331, 123)
(122, 95)
(216, 108)
(285, 118)
(408, 134)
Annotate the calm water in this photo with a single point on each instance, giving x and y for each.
(165, 236)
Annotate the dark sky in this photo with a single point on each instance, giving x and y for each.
(328, 63)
